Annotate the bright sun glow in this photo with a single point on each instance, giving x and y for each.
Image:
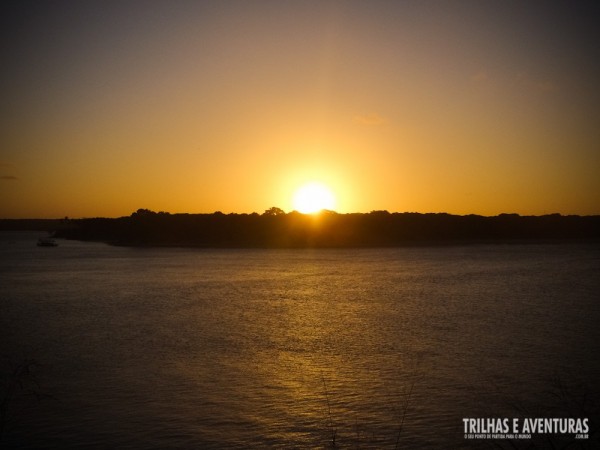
(313, 197)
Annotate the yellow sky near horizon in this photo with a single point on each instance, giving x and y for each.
(451, 107)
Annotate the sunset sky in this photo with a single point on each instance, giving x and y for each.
(463, 107)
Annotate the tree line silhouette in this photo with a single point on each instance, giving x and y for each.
(275, 228)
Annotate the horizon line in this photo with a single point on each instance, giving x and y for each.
(282, 212)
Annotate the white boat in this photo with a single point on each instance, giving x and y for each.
(46, 242)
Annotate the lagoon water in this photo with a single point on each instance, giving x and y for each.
(234, 349)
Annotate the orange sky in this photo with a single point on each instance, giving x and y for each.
(459, 107)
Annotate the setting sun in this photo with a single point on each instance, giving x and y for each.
(313, 197)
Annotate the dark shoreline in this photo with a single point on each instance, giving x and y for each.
(275, 229)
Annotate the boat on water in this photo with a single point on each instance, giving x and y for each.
(46, 242)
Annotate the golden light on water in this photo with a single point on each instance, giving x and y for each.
(313, 197)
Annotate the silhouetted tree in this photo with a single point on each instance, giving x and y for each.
(274, 211)
(142, 212)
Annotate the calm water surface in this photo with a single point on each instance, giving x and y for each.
(184, 348)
